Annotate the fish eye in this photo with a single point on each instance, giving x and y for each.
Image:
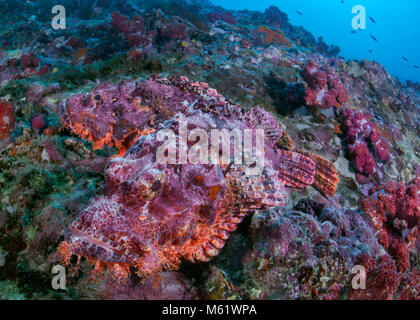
(156, 186)
(97, 97)
(197, 180)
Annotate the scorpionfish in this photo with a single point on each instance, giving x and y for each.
(153, 214)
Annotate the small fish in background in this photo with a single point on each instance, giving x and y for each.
(299, 13)
(374, 38)
(342, 1)
(405, 59)
(416, 67)
(371, 19)
(370, 51)
(353, 31)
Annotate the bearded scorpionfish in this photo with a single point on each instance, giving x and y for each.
(154, 214)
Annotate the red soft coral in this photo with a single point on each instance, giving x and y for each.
(363, 160)
(394, 211)
(133, 30)
(382, 279)
(364, 141)
(325, 89)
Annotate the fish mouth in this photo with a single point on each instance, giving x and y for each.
(104, 250)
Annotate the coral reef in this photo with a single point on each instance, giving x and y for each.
(171, 286)
(304, 254)
(382, 279)
(80, 112)
(221, 14)
(394, 210)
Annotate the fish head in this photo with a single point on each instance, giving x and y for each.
(118, 229)
(102, 232)
(108, 115)
(165, 192)
(117, 114)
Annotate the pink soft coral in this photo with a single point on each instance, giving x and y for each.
(361, 133)
(325, 89)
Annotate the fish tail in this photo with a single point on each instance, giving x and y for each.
(326, 176)
(294, 169)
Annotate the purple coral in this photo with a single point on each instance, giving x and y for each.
(275, 16)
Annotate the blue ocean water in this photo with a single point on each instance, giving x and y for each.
(395, 27)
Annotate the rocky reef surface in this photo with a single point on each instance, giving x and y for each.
(343, 119)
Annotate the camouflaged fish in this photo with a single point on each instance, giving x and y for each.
(155, 214)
